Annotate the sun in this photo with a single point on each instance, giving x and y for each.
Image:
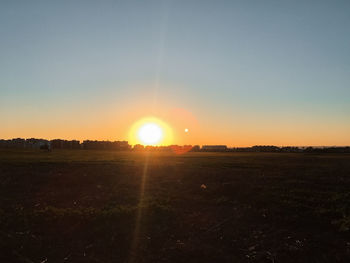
(150, 134)
(150, 131)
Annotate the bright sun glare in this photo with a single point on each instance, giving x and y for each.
(150, 133)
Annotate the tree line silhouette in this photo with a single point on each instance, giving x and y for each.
(33, 143)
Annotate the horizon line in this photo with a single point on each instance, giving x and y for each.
(201, 145)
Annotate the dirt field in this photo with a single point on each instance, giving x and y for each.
(94, 206)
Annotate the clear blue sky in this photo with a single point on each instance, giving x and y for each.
(251, 72)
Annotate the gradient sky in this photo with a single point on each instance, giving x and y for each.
(233, 72)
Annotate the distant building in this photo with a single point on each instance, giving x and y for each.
(195, 148)
(138, 147)
(64, 144)
(106, 145)
(265, 148)
(13, 143)
(180, 149)
(214, 148)
(33, 143)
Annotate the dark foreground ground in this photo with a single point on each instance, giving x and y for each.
(82, 206)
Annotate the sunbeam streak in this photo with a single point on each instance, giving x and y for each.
(135, 237)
